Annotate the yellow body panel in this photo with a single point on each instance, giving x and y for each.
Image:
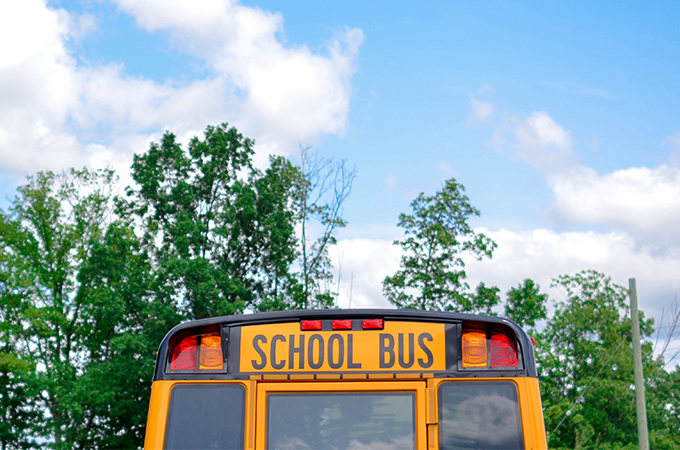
(400, 346)
(531, 411)
(427, 433)
(534, 414)
(160, 402)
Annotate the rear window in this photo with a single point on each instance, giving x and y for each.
(341, 421)
(206, 417)
(479, 415)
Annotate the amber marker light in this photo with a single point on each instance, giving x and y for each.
(474, 349)
(211, 357)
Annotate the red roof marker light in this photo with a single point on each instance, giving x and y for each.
(341, 324)
(310, 325)
(373, 324)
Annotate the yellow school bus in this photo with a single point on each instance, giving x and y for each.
(346, 380)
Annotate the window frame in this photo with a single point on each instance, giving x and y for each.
(416, 387)
(524, 425)
(172, 407)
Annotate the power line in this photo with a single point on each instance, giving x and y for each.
(580, 397)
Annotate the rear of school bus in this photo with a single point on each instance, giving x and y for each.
(346, 380)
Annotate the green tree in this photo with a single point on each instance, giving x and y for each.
(432, 274)
(194, 206)
(275, 196)
(223, 234)
(483, 299)
(663, 406)
(64, 322)
(324, 186)
(525, 304)
(123, 325)
(19, 413)
(585, 365)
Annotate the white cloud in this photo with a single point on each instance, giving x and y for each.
(37, 86)
(109, 98)
(288, 92)
(595, 144)
(539, 254)
(643, 202)
(82, 25)
(539, 131)
(365, 264)
(55, 113)
(480, 112)
(537, 140)
(673, 140)
(543, 254)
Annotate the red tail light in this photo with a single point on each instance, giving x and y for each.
(503, 351)
(184, 355)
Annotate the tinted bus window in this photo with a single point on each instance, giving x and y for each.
(206, 417)
(476, 415)
(343, 421)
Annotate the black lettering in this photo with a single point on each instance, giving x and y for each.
(263, 358)
(350, 353)
(331, 351)
(292, 350)
(310, 351)
(411, 351)
(277, 365)
(421, 342)
(386, 349)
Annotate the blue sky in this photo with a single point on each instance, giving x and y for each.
(561, 120)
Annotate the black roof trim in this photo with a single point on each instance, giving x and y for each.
(323, 314)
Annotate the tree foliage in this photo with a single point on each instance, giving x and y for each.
(324, 187)
(586, 370)
(525, 304)
(19, 414)
(222, 233)
(197, 214)
(589, 330)
(74, 283)
(432, 274)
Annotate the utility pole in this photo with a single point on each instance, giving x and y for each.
(640, 403)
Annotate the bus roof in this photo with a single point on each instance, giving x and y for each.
(284, 326)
